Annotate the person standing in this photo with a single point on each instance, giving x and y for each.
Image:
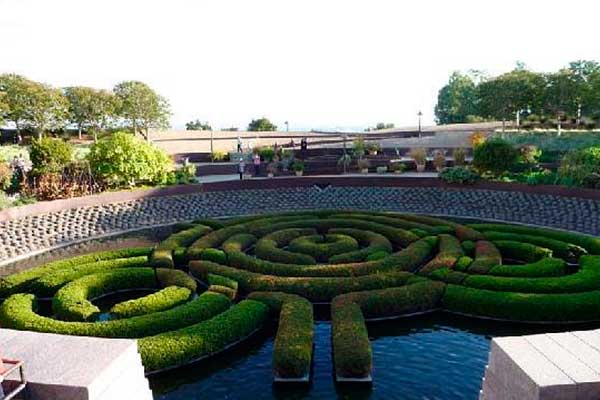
(241, 168)
(256, 162)
(239, 144)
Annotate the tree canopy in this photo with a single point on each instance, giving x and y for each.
(90, 108)
(261, 125)
(141, 108)
(456, 100)
(198, 125)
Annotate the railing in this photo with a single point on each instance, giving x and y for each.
(14, 391)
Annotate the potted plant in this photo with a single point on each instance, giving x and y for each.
(439, 160)
(459, 154)
(373, 148)
(363, 165)
(396, 167)
(419, 155)
(343, 162)
(271, 168)
(358, 147)
(298, 167)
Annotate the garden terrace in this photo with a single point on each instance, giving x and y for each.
(367, 265)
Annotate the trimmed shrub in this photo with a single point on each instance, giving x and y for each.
(17, 312)
(49, 155)
(48, 284)
(316, 289)
(72, 302)
(372, 242)
(164, 299)
(545, 267)
(495, 155)
(268, 248)
(450, 251)
(463, 263)
(322, 247)
(590, 243)
(352, 355)
(487, 256)
(390, 220)
(20, 281)
(559, 248)
(463, 232)
(417, 297)
(378, 255)
(293, 348)
(460, 175)
(405, 260)
(187, 344)
(468, 247)
(586, 279)
(566, 307)
(220, 280)
(224, 290)
(448, 275)
(162, 258)
(214, 255)
(522, 251)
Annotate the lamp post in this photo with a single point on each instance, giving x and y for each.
(345, 137)
(212, 159)
(287, 126)
(419, 114)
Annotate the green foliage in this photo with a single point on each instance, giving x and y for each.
(197, 125)
(184, 345)
(292, 351)
(322, 247)
(124, 160)
(495, 155)
(559, 248)
(456, 100)
(164, 299)
(564, 307)
(21, 281)
(141, 107)
(578, 165)
(214, 255)
(463, 263)
(460, 175)
(545, 267)
(90, 108)
(450, 251)
(487, 256)
(219, 280)
(17, 312)
(522, 251)
(49, 155)
(352, 355)
(261, 125)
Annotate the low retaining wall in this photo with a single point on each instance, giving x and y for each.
(42, 226)
(61, 367)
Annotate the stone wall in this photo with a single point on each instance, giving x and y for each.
(36, 233)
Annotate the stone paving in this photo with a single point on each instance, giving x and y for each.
(41, 232)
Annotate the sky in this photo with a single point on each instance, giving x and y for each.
(319, 64)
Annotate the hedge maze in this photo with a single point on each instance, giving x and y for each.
(213, 283)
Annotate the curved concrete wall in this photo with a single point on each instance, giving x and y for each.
(109, 214)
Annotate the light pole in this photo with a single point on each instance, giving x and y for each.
(345, 137)
(212, 158)
(287, 126)
(419, 114)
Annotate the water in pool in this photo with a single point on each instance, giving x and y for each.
(438, 356)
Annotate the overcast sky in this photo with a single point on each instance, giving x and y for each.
(316, 63)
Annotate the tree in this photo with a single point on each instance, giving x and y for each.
(261, 125)
(456, 100)
(197, 125)
(562, 94)
(15, 89)
(383, 125)
(585, 73)
(48, 109)
(141, 107)
(90, 108)
(3, 107)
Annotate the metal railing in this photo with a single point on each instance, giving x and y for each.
(16, 365)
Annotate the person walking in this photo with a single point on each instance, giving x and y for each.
(241, 168)
(256, 162)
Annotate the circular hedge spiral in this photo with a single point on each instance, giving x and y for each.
(367, 265)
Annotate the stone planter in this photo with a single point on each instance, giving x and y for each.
(270, 174)
(364, 171)
(372, 152)
(421, 167)
(299, 173)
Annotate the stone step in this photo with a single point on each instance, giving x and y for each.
(131, 383)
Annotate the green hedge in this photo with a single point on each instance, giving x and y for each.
(184, 345)
(584, 280)
(214, 255)
(372, 243)
(566, 307)
(463, 263)
(17, 312)
(268, 247)
(487, 256)
(450, 251)
(72, 302)
(20, 281)
(448, 275)
(545, 267)
(220, 280)
(292, 351)
(395, 221)
(405, 260)
(590, 243)
(321, 248)
(559, 248)
(162, 257)
(397, 301)
(522, 251)
(352, 354)
(463, 232)
(48, 284)
(164, 299)
(316, 289)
